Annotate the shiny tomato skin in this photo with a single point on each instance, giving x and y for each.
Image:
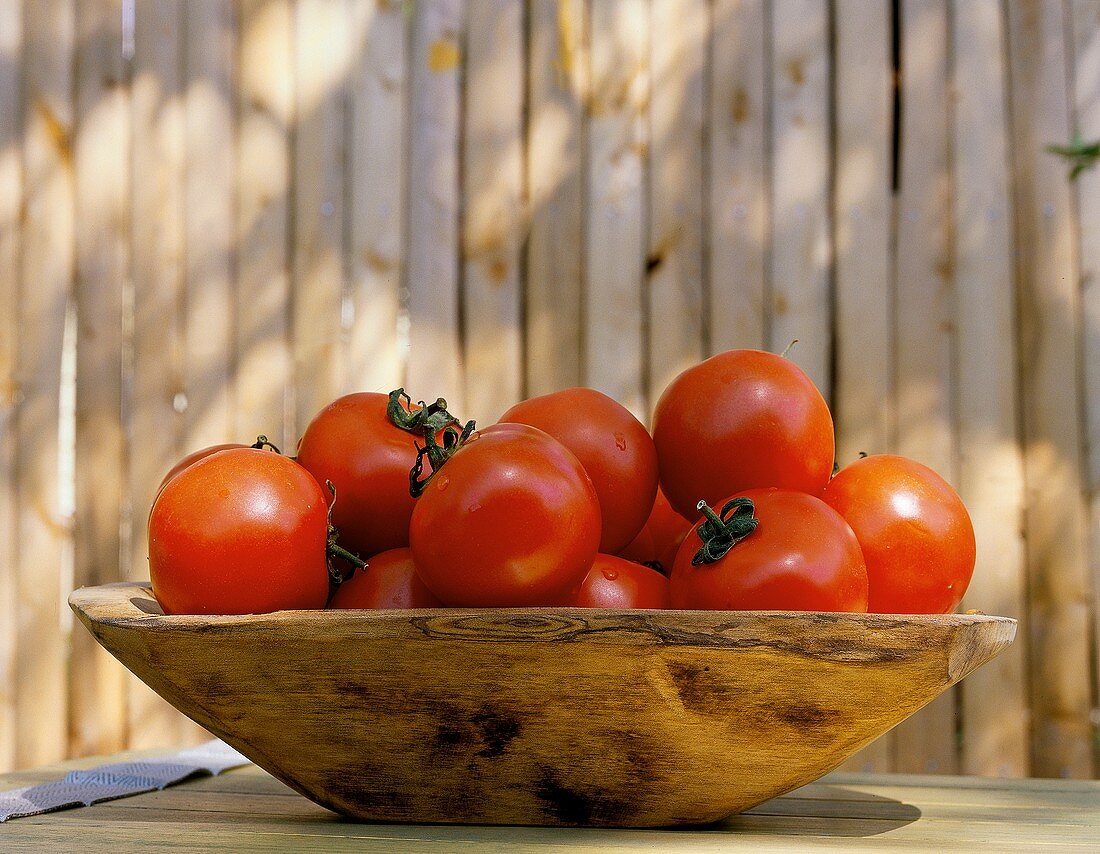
(389, 581)
(613, 446)
(616, 583)
(194, 457)
(915, 532)
(511, 519)
(353, 443)
(242, 531)
(802, 557)
(742, 419)
(660, 538)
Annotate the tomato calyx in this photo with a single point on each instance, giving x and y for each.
(334, 550)
(436, 454)
(427, 420)
(721, 532)
(262, 442)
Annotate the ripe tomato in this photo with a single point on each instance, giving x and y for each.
(740, 420)
(241, 531)
(613, 446)
(353, 443)
(916, 536)
(660, 538)
(511, 519)
(389, 581)
(195, 456)
(802, 556)
(616, 583)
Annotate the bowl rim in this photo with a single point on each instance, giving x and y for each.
(114, 603)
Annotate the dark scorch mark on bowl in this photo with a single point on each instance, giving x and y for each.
(570, 806)
(487, 732)
(805, 716)
(497, 731)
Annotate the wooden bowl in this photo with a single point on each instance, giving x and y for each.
(553, 716)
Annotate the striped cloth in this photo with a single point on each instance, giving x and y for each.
(119, 780)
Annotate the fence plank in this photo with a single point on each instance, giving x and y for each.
(47, 264)
(435, 347)
(923, 307)
(265, 106)
(377, 171)
(615, 244)
(801, 252)
(990, 466)
(322, 54)
(1086, 102)
(1047, 276)
(862, 217)
(738, 175)
(556, 95)
(674, 260)
(155, 420)
(97, 687)
(11, 196)
(492, 190)
(208, 221)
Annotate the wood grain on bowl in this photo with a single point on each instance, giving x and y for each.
(542, 715)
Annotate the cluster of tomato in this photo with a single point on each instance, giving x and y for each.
(734, 502)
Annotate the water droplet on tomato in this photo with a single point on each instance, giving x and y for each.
(610, 574)
(620, 441)
(443, 483)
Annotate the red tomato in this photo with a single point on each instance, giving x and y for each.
(242, 531)
(616, 583)
(801, 557)
(613, 446)
(916, 535)
(660, 539)
(353, 443)
(511, 519)
(389, 581)
(741, 420)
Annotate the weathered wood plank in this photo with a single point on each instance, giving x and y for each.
(435, 347)
(1047, 277)
(557, 91)
(801, 251)
(493, 218)
(157, 239)
(863, 212)
(101, 162)
(922, 315)
(11, 199)
(738, 187)
(265, 110)
(322, 62)
(209, 223)
(377, 208)
(674, 259)
(615, 244)
(44, 534)
(990, 475)
(1086, 103)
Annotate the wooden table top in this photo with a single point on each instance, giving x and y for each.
(247, 810)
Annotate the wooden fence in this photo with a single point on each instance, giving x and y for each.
(216, 216)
